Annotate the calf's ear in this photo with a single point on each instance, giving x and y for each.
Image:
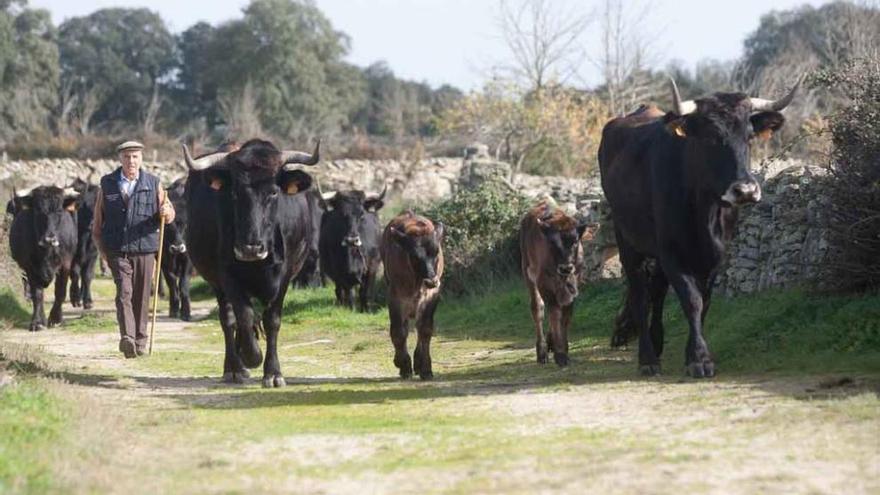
(764, 124)
(294, 181)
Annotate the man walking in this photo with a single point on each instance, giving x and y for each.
(126, 230)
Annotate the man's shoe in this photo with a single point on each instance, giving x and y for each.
(126, 347)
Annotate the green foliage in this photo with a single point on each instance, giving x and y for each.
(11, 310)
(113, 62)
(480, 245)
(29, 70)
(852, 219)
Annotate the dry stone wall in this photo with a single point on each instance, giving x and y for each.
(777, 243)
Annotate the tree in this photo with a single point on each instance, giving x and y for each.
(28, 69)
(116, 62)
(544, 41)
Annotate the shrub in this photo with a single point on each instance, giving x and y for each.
(480, 245)
(853, 185)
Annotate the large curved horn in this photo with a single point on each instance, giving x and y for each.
(298, 157)
(203, 162)
(23, 193)
(762, 105)
(381, 195)
(681, 107)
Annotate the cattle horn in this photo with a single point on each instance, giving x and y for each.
(23, 193)
(203, 162)
(762, 105)
(70, 193)
(681, 107)
(381, 195)
(289, 157)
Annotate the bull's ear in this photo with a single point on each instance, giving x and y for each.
(587, 231)
(373, 204)
(764, 124)
(439, 231)
(217, 178)
(22, 203)
(70, 204)
(10, 207)
(677, 126)
(294, 181)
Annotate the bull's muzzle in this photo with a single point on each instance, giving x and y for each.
(49, 241)
(353, 241)
(178, 248)
(251, 252)
(565, 269)
(742, 192)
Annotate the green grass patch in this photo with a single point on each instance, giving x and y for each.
(90, 323)
(32, 421)
(12, 312)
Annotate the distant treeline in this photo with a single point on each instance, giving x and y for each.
(278, 71)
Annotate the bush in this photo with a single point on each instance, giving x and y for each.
(853, 186)
(480, 246)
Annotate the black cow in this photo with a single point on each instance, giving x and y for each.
(674, 183)
(310, 275)
(82, 270)
(42, 239)
(176, 266)
(349, 244)
(249, 236)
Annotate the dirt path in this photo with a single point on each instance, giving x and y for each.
(492, 422)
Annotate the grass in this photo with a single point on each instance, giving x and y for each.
(33, 421)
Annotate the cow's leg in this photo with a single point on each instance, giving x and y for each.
(245, 328)
(399, 333)
(233, 368)
(707, 297)
(697, 358)
(75, 294)
(55, 316)
(565, 324)
(624, 326)
(184, 280)
(86, 276)
(173, 291)
(272, 376)
(658, 288)
(364, 291)
(340, 295)
(558, 342)
(537, 307)
(637, 285)
(38, 317)
(425, 328)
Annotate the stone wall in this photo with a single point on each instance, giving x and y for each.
(775, 245)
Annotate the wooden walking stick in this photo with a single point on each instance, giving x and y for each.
(158, 272)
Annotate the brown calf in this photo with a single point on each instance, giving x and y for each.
(552, 261)
(413, 259)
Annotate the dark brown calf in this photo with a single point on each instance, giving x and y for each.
(413, 257)
(552, 261)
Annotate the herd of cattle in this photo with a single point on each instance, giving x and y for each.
(250, 222)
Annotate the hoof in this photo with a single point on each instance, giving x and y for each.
(405, 375)
(186, 317)
(426, 375)
(54, 322)
(273, 381)
(235, 377)
(173, 314)
(87, 305)
(561, 359)
(36, 327)
(649, 370)
(75, 304)
(404, 364)
(542, 358)
(705, 369)
(618, 340)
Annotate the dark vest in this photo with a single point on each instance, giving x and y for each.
(131, 226)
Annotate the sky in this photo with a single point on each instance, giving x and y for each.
(457, 41)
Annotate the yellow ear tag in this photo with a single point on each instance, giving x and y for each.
(291, 188)
(765, 134)
(678, 129)
(216, 184)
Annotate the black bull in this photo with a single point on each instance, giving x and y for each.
(82, 269)
(349, 244)
(176, 266)
(674, 183)
(252, 238)
(43, 240)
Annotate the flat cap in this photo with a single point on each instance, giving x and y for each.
(129, 145)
